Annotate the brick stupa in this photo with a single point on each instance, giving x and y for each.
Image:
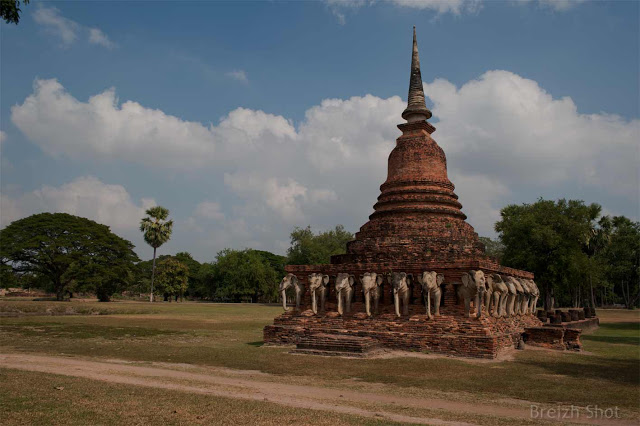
(417, 226)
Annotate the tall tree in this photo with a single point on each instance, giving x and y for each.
(157, 231)
(173, 277)
(310, 249)
(10, 10)
(66, 251)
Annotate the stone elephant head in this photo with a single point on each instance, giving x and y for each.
(317, 289)
(288, 281)
(430, 282)
(344, 289)
(371, 282)
(472, 288)
(401, 283)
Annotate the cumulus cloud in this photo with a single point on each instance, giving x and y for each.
(508, 127)
(101, 127)
(507, 140)
(84, 196)
(3, 136)
(67, 30)
(239, 75)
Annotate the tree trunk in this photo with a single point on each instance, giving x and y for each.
(153, 273)
(593, 296)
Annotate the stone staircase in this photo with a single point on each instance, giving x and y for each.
(337, 345)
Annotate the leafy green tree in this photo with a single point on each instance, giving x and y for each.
(622, 255)
(547, 238)
(173, 278)
(493, 248)
(194, 271)
(157, 231)
(10, 10)
(239, 275)
(276, 261)
(68, 251)
(309, 249)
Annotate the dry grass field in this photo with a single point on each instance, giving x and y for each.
(198, 363)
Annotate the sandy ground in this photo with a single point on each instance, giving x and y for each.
(251, 385)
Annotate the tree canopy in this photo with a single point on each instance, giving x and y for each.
(173, 277)
(70, 252)
(10, 10)
(240, 275)
(308, 248)
(573, 252)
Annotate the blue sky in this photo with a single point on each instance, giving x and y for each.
(246, 119)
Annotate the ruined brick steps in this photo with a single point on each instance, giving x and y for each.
(337, 345)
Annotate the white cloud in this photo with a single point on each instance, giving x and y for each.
(96, 36)
(558, 5)
(239, 75)
(56, 24)
(455, 7)
(3, 136)
(101, 127)
(67, 30)
(508, 127)
(209, 210)
(84, 196)
(506, 139)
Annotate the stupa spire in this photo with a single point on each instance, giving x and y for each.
(416, 107)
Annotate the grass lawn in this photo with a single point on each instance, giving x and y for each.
(230, 335)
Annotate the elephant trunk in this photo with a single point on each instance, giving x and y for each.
(339, 295)
(479, 297)
(367, 303)
(314, 302)
(284, 299)
(396, 303)
(427, 304)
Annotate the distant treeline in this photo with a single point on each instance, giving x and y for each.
(578, 257)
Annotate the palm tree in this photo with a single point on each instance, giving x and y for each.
(156, 233)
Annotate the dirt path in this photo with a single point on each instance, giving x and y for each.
(247, 385)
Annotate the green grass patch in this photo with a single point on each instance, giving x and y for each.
(60, 400)
(230, 336)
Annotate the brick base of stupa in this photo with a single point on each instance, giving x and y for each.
(451, 333)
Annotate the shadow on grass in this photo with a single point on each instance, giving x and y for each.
(612, 339)
(256, 344)
(617, 370)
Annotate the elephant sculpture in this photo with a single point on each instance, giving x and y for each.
(318, 289)
(535, 294)
(472, 288)
(344, 289)
(371, 288)
(401, 283)
(519, 296)
(498, 295)
(511, 297)
(291, 280)
(526, 296)
(430, 282)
